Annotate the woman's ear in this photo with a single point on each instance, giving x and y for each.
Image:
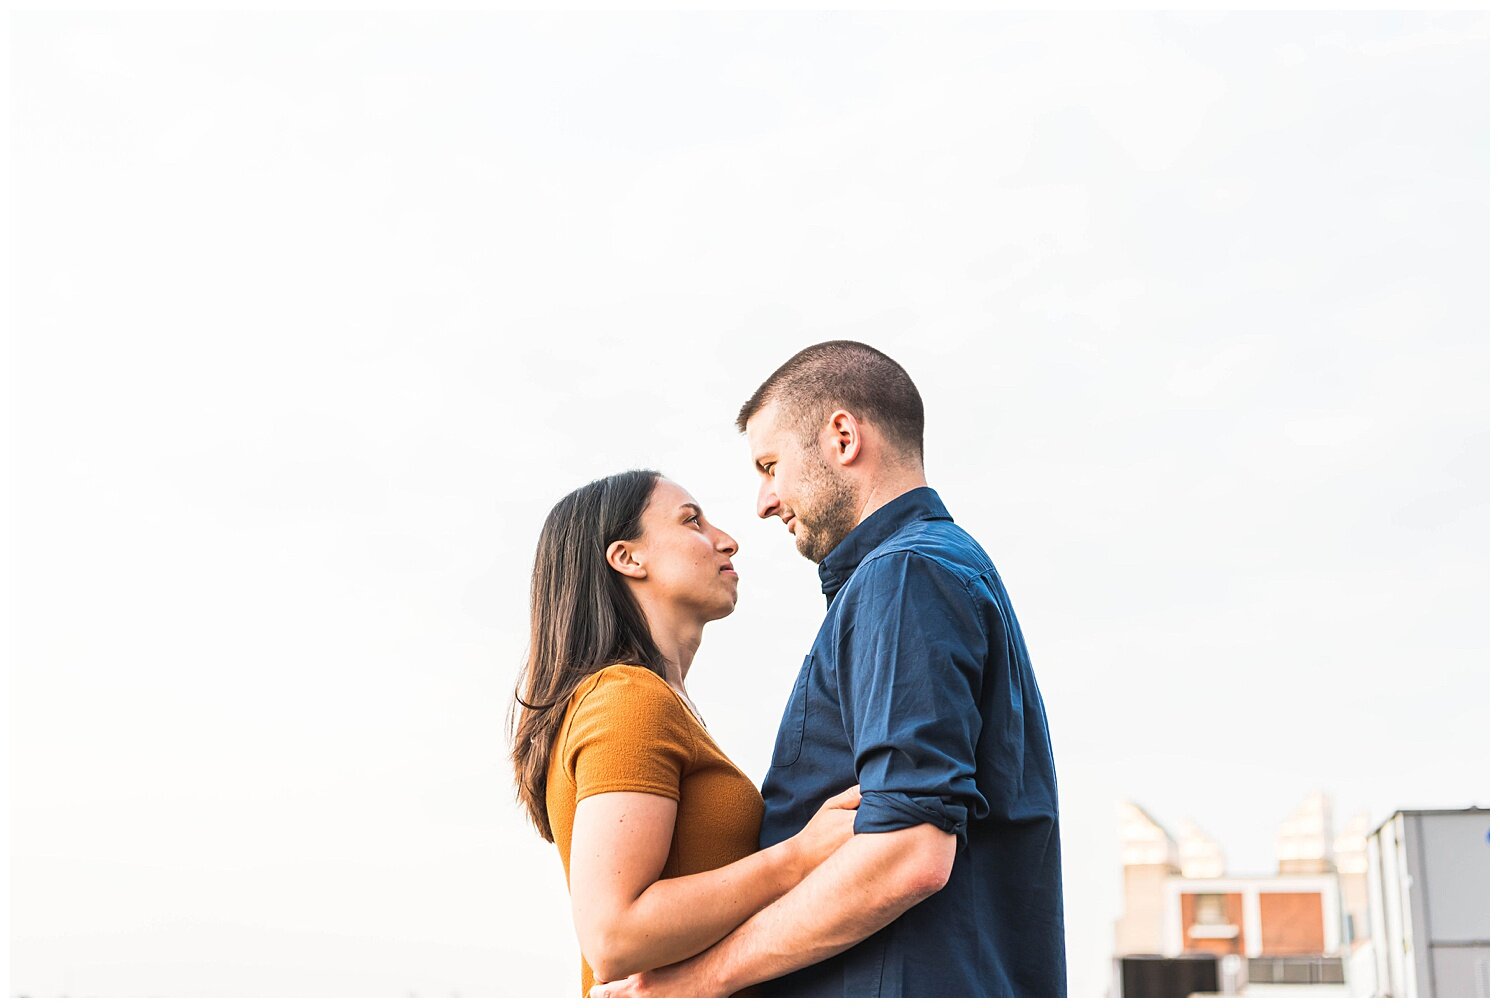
(622, 556)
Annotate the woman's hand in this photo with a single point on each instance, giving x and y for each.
(829, 828)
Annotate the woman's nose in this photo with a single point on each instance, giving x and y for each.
(728, 546)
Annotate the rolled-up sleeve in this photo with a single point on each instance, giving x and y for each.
(909, 671)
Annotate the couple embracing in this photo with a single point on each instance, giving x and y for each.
(905, 841)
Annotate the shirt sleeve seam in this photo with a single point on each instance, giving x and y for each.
(969, 591)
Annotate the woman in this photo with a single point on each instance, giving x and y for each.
(656, 827)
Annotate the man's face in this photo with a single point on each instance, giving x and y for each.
(799, 485)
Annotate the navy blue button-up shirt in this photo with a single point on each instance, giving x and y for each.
(919, 689)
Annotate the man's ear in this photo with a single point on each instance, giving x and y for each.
(623, 556)
(844, 437)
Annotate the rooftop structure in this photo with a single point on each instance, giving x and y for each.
(1285, 931)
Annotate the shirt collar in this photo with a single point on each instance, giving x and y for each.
(921, 504)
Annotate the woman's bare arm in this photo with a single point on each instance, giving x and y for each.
(630, 919)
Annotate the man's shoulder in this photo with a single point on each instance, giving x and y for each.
(939, 547)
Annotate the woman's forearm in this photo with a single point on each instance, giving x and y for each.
(676, 918)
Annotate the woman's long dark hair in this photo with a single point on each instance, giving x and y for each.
(583, 619)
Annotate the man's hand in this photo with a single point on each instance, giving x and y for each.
(679, 980)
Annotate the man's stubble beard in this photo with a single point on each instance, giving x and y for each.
(829, 513)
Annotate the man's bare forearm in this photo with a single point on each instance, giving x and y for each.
(869, 882)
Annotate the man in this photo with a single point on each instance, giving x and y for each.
(919, 689)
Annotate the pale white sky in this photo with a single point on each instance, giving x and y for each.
(316, 315)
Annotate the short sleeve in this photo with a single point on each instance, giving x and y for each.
(910, 677)
(627, 733)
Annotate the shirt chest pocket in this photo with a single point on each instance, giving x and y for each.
(789, 738)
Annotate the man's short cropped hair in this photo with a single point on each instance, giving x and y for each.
(843, 374)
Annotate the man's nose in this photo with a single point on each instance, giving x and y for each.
(767, 504)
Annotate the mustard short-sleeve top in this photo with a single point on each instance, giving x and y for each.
(626, 730)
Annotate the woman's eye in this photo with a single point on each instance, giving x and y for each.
(696, 520)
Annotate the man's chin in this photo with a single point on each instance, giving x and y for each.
(810, 547)
(815, 546)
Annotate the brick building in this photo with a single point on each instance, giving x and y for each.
(1264, 934)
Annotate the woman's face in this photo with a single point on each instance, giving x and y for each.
(684, 558)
